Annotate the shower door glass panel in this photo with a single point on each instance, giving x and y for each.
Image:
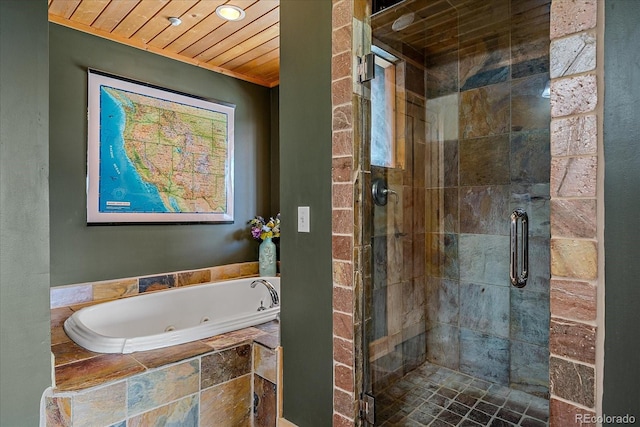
(441, 313)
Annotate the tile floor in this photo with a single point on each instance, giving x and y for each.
(435, 396)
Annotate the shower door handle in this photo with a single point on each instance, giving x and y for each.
(517, 275)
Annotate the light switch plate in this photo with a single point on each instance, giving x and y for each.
(303, 219)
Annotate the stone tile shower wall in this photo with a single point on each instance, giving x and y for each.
(575, 234)
(487, 154)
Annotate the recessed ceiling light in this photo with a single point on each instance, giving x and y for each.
(175, 21)
(229, 12)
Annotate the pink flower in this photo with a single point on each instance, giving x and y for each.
(255, 232)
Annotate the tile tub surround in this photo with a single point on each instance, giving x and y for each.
(182, 384)
(206, 382)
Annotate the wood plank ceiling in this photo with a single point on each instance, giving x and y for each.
(248, 49)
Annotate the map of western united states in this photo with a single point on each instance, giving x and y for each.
(179, 149)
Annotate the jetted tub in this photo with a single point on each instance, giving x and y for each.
(171, 317)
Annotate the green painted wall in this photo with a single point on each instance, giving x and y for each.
(275, 150)
(88, 253)
(305, 180)
(25, 361)
(622, 204)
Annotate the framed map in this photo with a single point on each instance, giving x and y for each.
(157, 156)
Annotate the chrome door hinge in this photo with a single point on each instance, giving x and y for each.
(367, 408)
(366, 67)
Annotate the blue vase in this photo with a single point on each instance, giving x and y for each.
(267, 257)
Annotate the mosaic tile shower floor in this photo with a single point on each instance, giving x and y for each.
(436, 396)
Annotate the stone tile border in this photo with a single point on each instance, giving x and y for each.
(105, 290)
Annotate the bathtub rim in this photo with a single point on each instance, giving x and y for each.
(87, 338)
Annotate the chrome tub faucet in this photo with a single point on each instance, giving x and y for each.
(275, 300)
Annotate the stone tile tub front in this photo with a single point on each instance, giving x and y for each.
(176, 384)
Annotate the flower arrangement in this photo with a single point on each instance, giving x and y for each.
(262, 229)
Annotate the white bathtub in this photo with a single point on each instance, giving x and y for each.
(171, 317)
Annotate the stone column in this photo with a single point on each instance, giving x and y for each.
(576, 135)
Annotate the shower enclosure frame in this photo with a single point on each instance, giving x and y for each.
(576, 270)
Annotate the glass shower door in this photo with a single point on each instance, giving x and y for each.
(459, 128)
